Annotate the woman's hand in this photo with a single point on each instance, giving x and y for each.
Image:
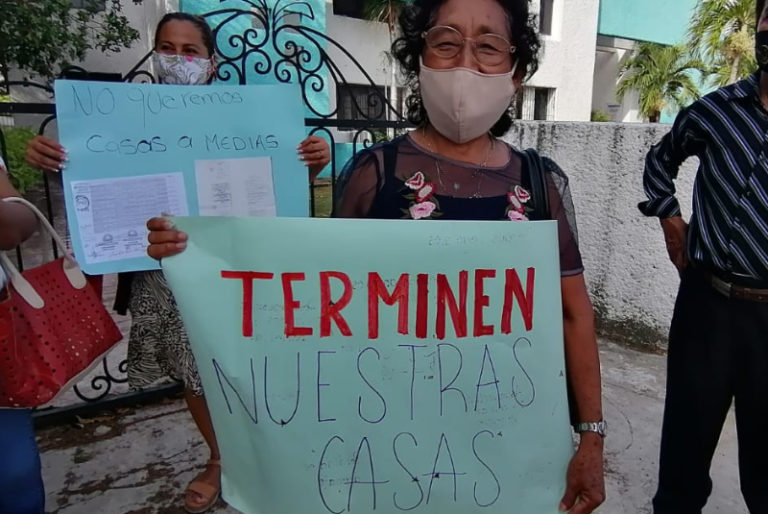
(316, 154)
(585, 484)
(46, 154)
(164, 240)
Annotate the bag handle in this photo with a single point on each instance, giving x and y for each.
(71, 269)
(538, 184)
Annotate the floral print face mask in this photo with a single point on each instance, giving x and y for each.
(182, 70)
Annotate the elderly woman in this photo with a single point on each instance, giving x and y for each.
(464, 61)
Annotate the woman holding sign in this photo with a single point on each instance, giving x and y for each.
(158, 347)
(464, 62)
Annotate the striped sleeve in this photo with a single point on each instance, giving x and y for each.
(662, 164)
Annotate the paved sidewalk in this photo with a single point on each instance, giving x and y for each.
(139, 461)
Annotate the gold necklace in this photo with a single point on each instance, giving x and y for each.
(477, 175)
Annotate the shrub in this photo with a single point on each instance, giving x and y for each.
(600, 116)
(23, 177)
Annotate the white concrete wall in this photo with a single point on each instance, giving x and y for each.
(632, 282)
(568, 58)
(368, 43)
(608, 62)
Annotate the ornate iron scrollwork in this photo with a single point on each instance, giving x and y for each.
(256, 43)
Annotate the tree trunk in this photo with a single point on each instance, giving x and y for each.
(735, 70)
(4, 87)
(654, 117)
(392, 71)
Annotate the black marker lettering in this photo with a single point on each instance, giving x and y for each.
(220, 374)
(493, 475)
(494, 382)
(360, 398)
(320, 418)
(413, 478)
(283, 422)
(449, 387)
(320, 475)
(533, 388)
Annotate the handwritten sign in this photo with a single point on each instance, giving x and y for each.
(141, 150)
(360, 366)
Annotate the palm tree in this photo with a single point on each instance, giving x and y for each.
(387, 11)
(662, 77)
(722, 34)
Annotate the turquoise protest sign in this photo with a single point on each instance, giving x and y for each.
(360, 366)
(142, 150)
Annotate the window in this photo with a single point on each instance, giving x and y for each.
(536, 103)
(353, 8)
(546, 8)
(91, 5)
(364, 102)
(541, 103)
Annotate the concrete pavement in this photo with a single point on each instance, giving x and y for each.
(139, 461)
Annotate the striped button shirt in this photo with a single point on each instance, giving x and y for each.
(728, 131)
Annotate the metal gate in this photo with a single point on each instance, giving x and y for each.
(270, 49)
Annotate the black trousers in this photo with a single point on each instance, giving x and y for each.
(718, 353)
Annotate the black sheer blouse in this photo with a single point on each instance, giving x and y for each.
(401, 180)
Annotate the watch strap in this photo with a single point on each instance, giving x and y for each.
(598, 427)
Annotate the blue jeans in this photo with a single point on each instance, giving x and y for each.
(21, 484)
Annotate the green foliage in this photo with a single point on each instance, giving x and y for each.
(23, 177)
(601, 116)
(385, 11)
(722, 33)
(42, 37)
(662, 76)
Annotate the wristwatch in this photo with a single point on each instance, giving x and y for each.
(599, 427)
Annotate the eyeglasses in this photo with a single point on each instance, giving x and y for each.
(487, 49)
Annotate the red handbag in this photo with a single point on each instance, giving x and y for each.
(53, 327)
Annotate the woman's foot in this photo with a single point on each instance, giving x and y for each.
(203, 492)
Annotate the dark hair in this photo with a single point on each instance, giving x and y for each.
(419, 17)
(759, 4)
(197, 21)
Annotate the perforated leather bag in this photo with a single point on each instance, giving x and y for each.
(53, 327)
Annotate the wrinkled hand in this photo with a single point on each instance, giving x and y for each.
(45, 154)
(316, 154)
(585, 483)
(164, 240)
(675, 235)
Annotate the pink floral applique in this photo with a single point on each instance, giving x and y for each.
(416, 181)
(522, 194)
(516, 216)
(421, 198)
(425, 193)
(422, 210)
(517, 200)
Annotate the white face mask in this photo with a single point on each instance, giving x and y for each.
(464, 104)
(182, 70)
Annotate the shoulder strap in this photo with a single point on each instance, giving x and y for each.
(390, 158)
(537, 184)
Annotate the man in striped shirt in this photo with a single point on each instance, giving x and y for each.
(718, 341)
